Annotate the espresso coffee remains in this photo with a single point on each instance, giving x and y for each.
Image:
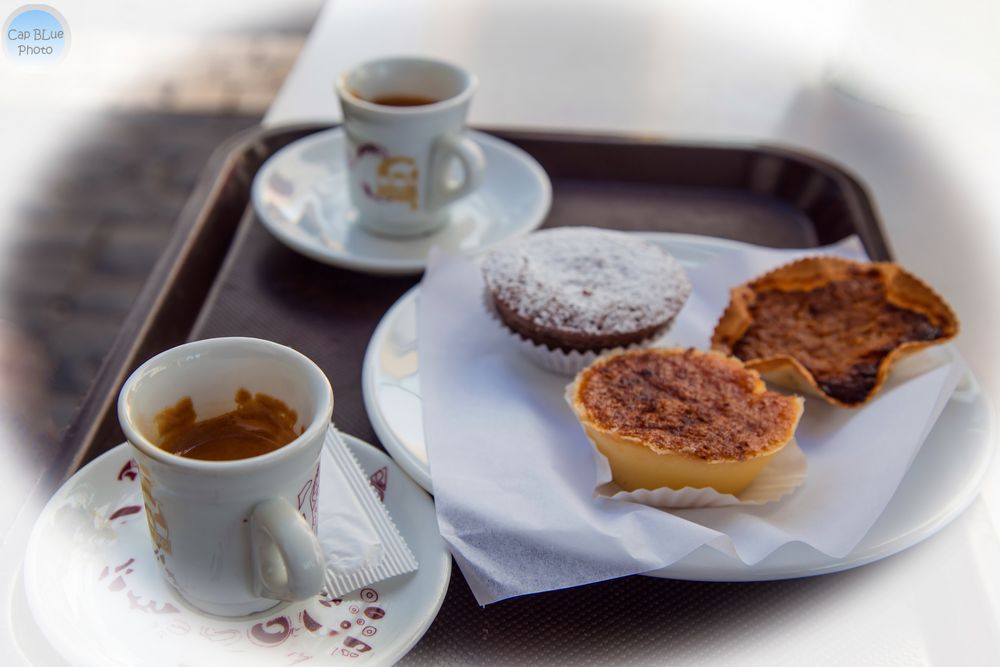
(403, 100)
(259, 424)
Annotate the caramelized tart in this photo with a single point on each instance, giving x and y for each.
(832, 327)
(677, 418)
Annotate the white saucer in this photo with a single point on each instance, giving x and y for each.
(300, 194)
(95, 591)
(943, 479)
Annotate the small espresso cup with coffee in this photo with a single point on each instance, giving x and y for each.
(404, 119)
(227, 434)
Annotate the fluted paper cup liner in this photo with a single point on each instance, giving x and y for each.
(556, 360)
(785, 473)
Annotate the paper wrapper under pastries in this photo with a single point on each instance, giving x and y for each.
(902, 289)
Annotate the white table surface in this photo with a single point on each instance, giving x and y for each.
(780, 72)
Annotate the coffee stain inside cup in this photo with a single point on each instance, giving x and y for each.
(260, 424)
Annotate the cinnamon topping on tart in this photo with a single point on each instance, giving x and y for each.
(681, 418)
(698, 404)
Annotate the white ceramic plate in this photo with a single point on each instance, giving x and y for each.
(943, 479)
(96, 594)
(300, 194)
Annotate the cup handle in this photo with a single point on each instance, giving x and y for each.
(287, 560)
(467, 152)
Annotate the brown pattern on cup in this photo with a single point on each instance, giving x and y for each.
(271, 632)
(366, 149)
(125, 511)
(308, 501)
(396, 180)
(356, 645)
(136, 602)
(327, 600)
(158, 530)
(310, 623)
(380, 482)
(221, 636)
(130, 470)
(177, 627)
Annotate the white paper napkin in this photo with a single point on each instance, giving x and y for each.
(514, 475)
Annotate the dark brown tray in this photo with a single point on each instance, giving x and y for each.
(223, 274)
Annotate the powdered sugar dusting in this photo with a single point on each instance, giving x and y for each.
(586, 280)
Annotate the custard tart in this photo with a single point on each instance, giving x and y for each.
(681, 418)
(832, 327)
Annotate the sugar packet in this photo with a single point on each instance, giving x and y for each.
(359, 539)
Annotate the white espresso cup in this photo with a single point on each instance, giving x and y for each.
(404, 119)
(232, 537)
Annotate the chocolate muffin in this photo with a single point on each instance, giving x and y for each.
(585, 289)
